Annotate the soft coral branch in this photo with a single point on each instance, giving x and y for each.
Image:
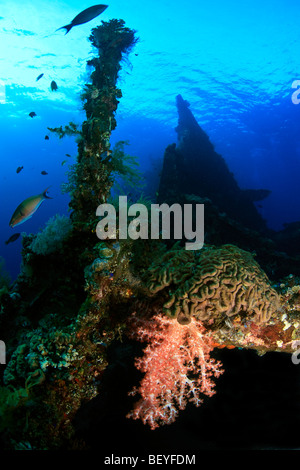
(177, 367)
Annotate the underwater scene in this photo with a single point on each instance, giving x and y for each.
(150, 228)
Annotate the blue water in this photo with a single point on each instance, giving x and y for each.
(233, 61)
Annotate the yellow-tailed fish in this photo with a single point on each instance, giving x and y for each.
(27, 208)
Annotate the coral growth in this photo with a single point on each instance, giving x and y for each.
(5, 279)
(52, 237)
(212, 284)
(41, 350)
(218, 296)
(177, 366)
(61, 317)
(70, 129)
(93, 175)
(125, 167)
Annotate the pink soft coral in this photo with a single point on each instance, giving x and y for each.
(177, 367)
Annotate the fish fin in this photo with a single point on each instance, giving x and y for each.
(67, 27)
(22, 222)
(45, 193)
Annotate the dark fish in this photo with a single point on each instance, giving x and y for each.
(27, 208)
(53, 85)
(32, 114)
(46, 137)
(68, 155)
(40, 76)
(85, 16)
(13, 238)
(19, 169)
(44, 172)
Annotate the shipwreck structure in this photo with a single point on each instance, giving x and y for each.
(194, 173)
(193, 167)
(72, 328)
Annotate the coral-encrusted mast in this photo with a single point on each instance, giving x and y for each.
(177, 366)
(93, 178)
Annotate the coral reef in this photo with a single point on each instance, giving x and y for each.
(212, 284)
(177, 366)
(54, 368)
(216, 298)
(60, 316)
(220, 229)
(5, 279)
(76, 298)
(52, 237)
(41, 349)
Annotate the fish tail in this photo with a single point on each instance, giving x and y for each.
(67, 27)
(45, 193)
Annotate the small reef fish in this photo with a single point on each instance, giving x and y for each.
(53, 85)
(32, 114)
(44, 172)
(39, 77)
(13, 238)
(68, 155)
(27, 208)
(85, 16)
(20, 168)
(46, 137)
(63, 163)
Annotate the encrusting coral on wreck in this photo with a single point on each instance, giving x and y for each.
(214, 283)
(76, 295)
(217, 297)
(177, 367)
(52, 237)
(93, 177)
(56, 322)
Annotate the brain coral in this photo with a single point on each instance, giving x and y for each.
(213, 283)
